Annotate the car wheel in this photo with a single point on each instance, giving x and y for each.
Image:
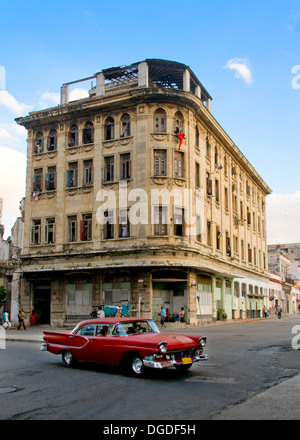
(68, 358)
(135, 365)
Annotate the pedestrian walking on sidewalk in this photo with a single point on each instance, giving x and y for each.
(21, 316)
(163, 315)
(5, 321)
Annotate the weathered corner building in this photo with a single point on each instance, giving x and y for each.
(183, 223)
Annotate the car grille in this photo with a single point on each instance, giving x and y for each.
(178, 355)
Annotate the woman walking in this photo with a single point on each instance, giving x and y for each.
(21, 317)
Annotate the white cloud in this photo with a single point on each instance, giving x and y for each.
(283, 214)
(50, 99)
(12, 135)
(12, 185)
(241, 68)
(78, 94)
(5, 136)
(12, 104)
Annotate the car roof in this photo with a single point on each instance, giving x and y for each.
(112, 320)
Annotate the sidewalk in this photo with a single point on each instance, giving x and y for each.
(35, 334)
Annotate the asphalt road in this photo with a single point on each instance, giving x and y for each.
(252, 373)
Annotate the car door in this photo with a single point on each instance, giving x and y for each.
(81, 342)
(102, 347)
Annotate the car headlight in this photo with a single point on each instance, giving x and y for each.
(202, 342)
(162, 348)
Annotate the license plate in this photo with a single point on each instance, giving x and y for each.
(186, 361)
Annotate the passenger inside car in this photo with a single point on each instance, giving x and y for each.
(104, 330)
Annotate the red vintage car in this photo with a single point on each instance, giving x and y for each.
(134, 343)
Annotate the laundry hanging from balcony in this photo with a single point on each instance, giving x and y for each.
(181, 136)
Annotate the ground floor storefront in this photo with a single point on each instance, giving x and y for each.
(65, 297)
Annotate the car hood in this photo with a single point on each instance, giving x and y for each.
(174, 342)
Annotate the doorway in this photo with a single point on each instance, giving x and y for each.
(171, 295)
(41, 303)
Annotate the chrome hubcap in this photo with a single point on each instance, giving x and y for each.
(137, 365)
(68, 357)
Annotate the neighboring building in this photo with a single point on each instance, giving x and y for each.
(275, 293)
(4, 246)
(17, 234)
(137, 195)
(10, 272)
(284, 261)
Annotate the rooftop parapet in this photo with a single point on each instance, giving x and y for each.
(148, 73)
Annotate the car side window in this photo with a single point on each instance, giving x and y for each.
(119, 330)
(87, 330)
(103, 330)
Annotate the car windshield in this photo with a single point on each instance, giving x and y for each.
(134, 328)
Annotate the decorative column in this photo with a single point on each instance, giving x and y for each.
(64, 94)
(192, 298)
(100, 86)
(213, 287)
(186, 81)
(143, 76)
(223, 297)
(232, 298)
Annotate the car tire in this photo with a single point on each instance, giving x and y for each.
(68, 359)
(183, 367)
(135, 366)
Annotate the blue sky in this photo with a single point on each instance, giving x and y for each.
(44, 44)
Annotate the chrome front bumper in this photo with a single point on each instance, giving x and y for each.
(171, 362)
(44, 347)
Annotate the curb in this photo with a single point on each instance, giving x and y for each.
(38, 336)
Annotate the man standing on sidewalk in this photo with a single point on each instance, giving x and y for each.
(163, 316)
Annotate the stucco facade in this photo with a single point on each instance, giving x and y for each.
(137, 195)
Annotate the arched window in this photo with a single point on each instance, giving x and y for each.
(125, 125)
(216, 156)
(109, 129)
(39, 143)
(73, 136)
(160, 121)
(178, 123)
(88, 133)
(197, 137)
(236, 289)
(207, 151)
(52, 141)
(225, 166)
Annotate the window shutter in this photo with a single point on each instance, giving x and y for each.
(82, 230)
(46, 233)
(128, 169)
(209, 187)
(156, 166)
(53, 232)
(112, 171)
(69, 178)
(249, 255)
(70, 142)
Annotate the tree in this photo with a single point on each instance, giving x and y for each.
(2, 294)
